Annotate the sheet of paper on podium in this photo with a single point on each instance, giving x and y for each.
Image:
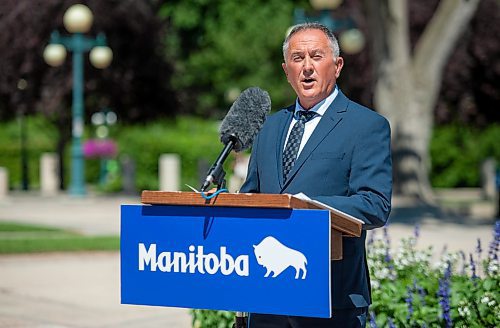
(306, 198)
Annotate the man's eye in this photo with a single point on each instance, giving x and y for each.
(296, 58)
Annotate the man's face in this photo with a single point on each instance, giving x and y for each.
(310, 67)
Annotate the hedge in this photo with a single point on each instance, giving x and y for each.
(195, 140)
(456, 151)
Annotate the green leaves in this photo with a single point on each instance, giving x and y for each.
(227, 44)
(457, 154)
(409, 294)
(212, 319)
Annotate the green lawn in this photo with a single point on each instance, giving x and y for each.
(26, 238)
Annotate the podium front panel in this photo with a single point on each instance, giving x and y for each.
(274, 261)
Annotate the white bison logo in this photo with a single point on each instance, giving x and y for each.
(276, 257)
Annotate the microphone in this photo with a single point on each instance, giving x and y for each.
(238, 129)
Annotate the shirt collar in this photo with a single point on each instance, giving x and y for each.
(321, 107)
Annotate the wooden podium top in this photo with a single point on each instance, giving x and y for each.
(340, 221)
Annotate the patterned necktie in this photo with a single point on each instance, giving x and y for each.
(294, 139)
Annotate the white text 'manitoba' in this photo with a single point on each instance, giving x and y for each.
(192, 262)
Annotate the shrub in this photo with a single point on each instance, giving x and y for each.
(196, 141)
(460, 290)
(458, 151)
(41, 137)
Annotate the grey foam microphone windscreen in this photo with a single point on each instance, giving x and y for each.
(245, 118)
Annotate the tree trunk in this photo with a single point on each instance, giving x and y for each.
(407, 86)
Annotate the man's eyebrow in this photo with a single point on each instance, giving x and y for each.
(318, 50)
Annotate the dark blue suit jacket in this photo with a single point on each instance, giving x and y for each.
(346, 164)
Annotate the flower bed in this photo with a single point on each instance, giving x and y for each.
(410, 290)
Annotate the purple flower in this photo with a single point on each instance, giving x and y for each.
(373, 324)
(391, 324)
(387, 245)
(99, 148)
(479, 250)
(473, 267)
(416, 231)
(409, 302)
(493, 247)
(444, 296)
(420, 290)
(371, 238)
(387, 257)
(386, 235)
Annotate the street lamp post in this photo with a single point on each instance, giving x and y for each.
(77, 20)
(22, 85)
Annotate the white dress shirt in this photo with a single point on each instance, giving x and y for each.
(320, 109)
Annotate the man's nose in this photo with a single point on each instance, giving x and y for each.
(308, 67)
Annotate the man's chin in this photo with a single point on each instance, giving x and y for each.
(307, 101)
(309, 95)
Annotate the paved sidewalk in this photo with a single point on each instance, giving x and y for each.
(73, 290)
(90, 215)
(82, 289)
(76, 289)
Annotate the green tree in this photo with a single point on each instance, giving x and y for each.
(221, 47)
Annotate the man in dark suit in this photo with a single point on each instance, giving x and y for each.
(333, 150)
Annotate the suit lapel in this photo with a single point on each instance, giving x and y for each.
(328, 122)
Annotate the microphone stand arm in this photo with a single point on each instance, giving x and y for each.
(216, 173)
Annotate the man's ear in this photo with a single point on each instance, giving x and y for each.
(285, 69)
(339, 62)
(283, 65)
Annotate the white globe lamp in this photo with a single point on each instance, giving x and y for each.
(78, 19)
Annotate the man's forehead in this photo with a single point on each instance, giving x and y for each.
(308, 46)
(313, 38)
(309, 35)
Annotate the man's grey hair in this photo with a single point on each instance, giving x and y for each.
(333, 43)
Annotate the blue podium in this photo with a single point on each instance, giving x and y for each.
(237, 252)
